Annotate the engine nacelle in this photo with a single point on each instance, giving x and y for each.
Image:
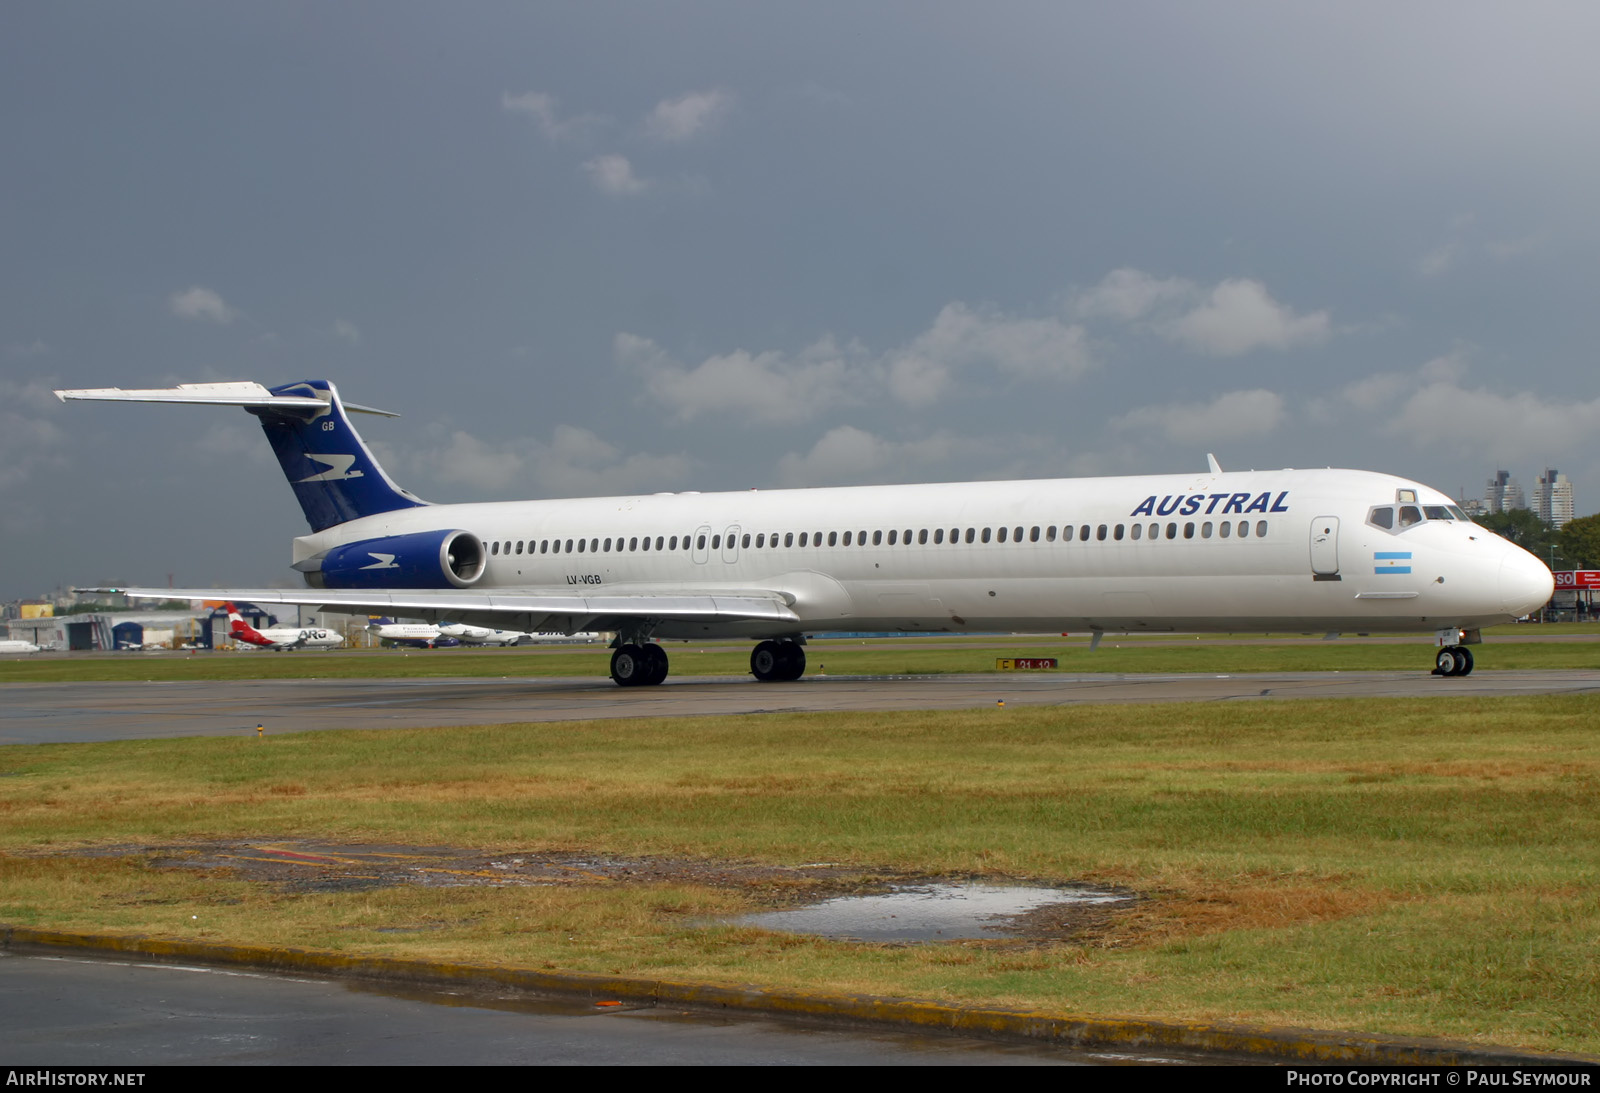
(423, 559)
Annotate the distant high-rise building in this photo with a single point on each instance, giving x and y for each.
(1552, 498)
(1503, 494)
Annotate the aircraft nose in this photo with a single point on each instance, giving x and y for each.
(1525, 583)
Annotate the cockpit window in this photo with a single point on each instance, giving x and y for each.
(1384, 516)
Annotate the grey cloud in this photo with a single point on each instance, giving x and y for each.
(613, 174)
(573, 462)
(545, 112)
(1235, 415)
(773, 386)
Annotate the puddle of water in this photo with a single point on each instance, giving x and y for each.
(931, 912)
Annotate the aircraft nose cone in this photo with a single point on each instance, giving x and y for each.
(1525, 583)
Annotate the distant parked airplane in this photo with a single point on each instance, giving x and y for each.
(280, 638)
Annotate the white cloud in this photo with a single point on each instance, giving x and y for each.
(542, 108)
(773, 386)
(572, 462)
(963, 338)
(843, 454)
(688, 116)
(1488, 425)
(1234, 317)
(762, 387)
(201, 304)
(344, 328)
(1451, 367)
(1128, 294)
(846, 455)
(1376, 391)
(1233, 416)
(1241, 317)
(613, 174)
(35, 348)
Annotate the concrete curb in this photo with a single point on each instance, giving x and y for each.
(1288, 1045)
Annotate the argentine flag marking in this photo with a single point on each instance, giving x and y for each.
(1391, 561)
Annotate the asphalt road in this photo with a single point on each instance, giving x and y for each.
(37, 713)
(70, 1012)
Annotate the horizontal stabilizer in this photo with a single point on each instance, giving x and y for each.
(212, 394)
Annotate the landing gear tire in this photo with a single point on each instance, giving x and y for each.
(777, 661)
(1453, 660)
(656, 661)
(627, 665)
(638, 665)
(792, 662)
(766, 661)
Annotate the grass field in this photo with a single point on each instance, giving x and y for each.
(1505, 648)
(1419, 867)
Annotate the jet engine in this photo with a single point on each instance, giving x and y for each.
(423, 559)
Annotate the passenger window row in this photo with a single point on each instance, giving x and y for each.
(1224, 529)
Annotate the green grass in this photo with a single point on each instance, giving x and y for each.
(1416, 867)
(895, 656)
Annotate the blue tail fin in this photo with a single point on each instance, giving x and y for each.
(334, 476)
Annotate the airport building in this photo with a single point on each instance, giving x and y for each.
(112, 630)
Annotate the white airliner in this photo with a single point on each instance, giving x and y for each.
(391, 630)
(483, 635)
(1300, 550)
(14, 645)
(278, 638)
(427, 634)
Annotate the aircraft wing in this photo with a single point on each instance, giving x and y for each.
(529, 609)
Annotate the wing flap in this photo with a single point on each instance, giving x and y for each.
(592, 611)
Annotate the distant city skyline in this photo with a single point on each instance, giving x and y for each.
(1552, 499)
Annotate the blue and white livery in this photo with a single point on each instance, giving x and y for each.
(1301, 550)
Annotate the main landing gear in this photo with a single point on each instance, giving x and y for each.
(644, 664)
(1453, 660)
(774, 661)
(639, 665)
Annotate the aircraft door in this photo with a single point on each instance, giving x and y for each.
(1325, 548)
(700, 548)
(730, 544)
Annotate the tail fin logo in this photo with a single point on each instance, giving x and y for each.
(338, 468)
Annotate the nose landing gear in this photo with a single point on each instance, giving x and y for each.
(1453, 660)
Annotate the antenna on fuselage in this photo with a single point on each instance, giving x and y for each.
(1211, 461)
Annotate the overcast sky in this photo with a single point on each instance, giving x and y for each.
(605, 248)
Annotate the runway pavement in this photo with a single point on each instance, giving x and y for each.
(136, 1016)
(36, 713)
